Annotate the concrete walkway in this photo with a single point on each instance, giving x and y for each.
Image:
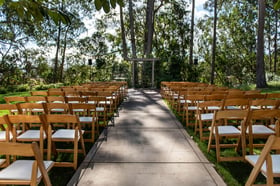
(147, 147)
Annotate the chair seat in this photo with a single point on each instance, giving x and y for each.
(2, 161)
(57, 110)
(21, 170)
(3, 135)
(261, 129)
(85, 119)
(206, 116)
(226, 130)
(253, 107)
(233, 107)
(192, 107)
(64, 134)
(30, 134)
(252, 159)
(78, 110)
(272, 126)
(213, 108)
(100, 109)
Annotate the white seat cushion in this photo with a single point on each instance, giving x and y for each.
(21, 170)
(275, 162)
(261, 129)
(31, 134)
(223, 130)
(64, 134)
(2, 161)
(3, 135)
(85, 119)
(206, 116)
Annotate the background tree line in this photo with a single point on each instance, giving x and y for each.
(41, 41)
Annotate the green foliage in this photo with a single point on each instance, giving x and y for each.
(35, 11)
(107, 4)
(3, 90)
(23, 88)
(277, 5)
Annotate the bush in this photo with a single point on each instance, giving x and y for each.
(3, 90)
(22, 88)
(41, 87)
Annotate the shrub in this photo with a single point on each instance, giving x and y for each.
(22, 88)
(3, 90)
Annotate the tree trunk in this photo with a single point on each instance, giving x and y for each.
(260, 68)
(149, 28)
(123, 34)
(133, 44)
(191, 38)
(275, 42)
(214, 43)
(63, 54)
(56, 61)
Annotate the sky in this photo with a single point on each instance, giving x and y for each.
(199, 12)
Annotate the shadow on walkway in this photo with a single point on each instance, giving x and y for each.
(147, 147)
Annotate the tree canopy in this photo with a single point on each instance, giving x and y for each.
(54, 40)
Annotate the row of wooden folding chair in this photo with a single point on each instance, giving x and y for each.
(205, 110)
(247, 127)
(103, 100)
(24, 165)
(95, 118)
(266, 163)
(48, 133)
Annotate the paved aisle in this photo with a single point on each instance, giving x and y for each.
(146, 147)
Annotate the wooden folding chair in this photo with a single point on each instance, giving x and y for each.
(56, 108)
(15, 99)
(36, 99)
(264, 104)
(39, 93)
(102, 106)
(56, 93)
(88, 117)
(6, 108)
(257, 126)
(235, 104)
(73, 134)
(5, 133)
(204, 116)
(29, 132)
(24, 171)
(221, 131)
(190, 108)
(266, 163)
(5, 136)
(273, 96)
(71, 93)
(55, 99)
(30, 108)
(75, 99)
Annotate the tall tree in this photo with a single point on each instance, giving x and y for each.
(260, 70)
(134, 69)
(192, 33)
(214, 43)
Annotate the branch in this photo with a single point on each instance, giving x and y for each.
(161, 4)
